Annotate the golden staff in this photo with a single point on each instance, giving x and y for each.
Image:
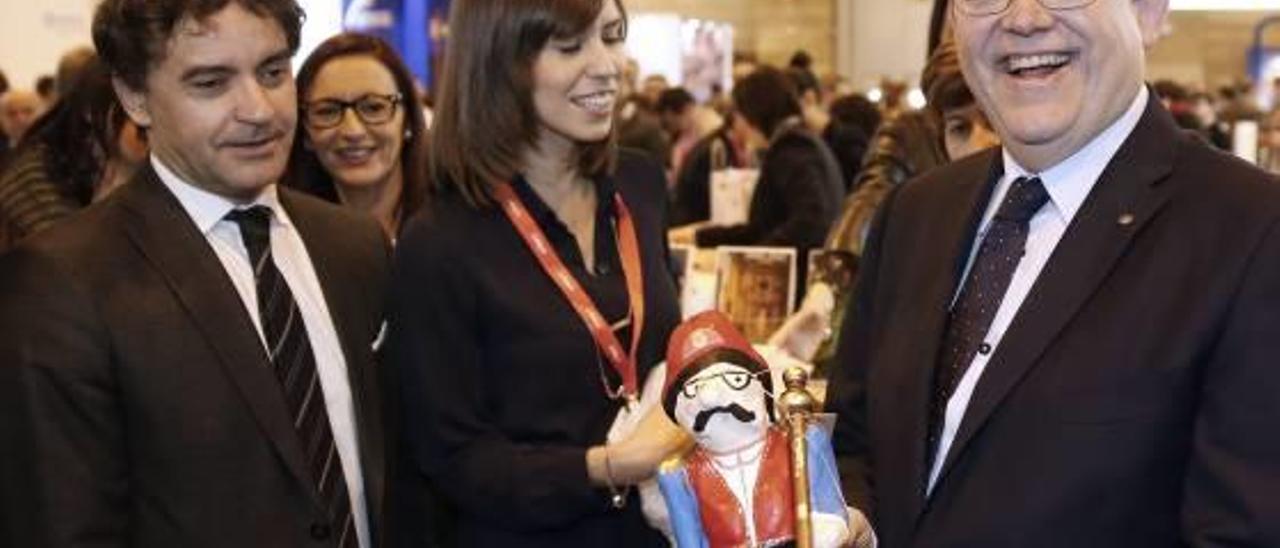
(798, 406)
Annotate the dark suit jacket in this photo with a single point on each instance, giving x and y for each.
(1135, 399)
(137, 404)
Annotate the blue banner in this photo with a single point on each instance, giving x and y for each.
(406, 24)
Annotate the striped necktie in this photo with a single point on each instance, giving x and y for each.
(295, 367)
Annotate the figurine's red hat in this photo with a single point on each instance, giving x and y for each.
(701, 341)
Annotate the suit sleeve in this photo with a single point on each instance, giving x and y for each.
(435, 351)
(65, 478)
(1233, 476)
(847, 391)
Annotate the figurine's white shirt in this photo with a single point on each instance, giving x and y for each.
(739, 470)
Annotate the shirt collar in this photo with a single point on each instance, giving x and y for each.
(1070, 181)
(543, 214)
(207, 208)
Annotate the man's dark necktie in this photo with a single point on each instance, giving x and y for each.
(295, 367)
(983, 291)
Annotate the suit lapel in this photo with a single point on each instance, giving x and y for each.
(944, 233)
(346, 294)
(1125, 198)
(166, 236)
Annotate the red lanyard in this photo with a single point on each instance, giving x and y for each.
(629, 251)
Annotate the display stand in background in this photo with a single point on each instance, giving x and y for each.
(756, 288)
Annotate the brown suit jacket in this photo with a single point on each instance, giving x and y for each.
(1135, 399)
(137, 405)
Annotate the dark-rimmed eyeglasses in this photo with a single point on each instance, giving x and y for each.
(992, 7)
(736, 380)
(372, 109)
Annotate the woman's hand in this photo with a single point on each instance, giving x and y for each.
(637, 457)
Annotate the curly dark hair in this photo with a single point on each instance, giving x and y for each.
(131, 35)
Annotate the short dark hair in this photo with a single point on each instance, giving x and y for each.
(674, 100)
(131, 35)
(306, 173)
(44, 86)
(485, 117)
(765, 98)
(4, 83)
(855, 110)
(801, 60)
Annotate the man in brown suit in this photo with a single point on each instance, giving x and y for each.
(189, 362)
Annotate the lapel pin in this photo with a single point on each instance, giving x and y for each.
(1125, 220)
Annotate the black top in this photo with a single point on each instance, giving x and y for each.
(796, 199)
(499, 378)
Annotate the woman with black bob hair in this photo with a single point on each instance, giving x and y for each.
(532, 296)
(799, 190)
(362, 138)
(76, 153)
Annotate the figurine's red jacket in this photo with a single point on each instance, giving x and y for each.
(722, 517)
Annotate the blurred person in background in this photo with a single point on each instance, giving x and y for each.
(965, 129)
(536, 224)
(1216, 130)
(364, 138)
(76, 153)
(686, 123)
(1269, 159)
(70, 66)
(638, 125)
(902, 147)
(45, 89)
(653, 86)
(19, 108)
(854, 119)
(798, 194)
(809, 90)
(726, 148)
(1176, 98)
(4, 137)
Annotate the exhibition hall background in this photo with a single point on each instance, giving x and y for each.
(862, 41)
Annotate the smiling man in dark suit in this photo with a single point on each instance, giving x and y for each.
(189, 362)
(1071, 340)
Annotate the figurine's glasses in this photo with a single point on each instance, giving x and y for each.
(736, 380)
(372, 109)
(992, 7)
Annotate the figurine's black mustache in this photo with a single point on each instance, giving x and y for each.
(739, 412)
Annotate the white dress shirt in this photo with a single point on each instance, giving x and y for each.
(208, 211)
(1068, 184)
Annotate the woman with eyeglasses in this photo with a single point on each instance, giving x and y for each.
(362, 141)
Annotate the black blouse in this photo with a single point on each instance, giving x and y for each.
(500, 381)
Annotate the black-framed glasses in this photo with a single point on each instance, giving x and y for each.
(372, 109)
(992, 7)
(736, 380)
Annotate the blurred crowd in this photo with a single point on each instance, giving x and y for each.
(826, 155)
